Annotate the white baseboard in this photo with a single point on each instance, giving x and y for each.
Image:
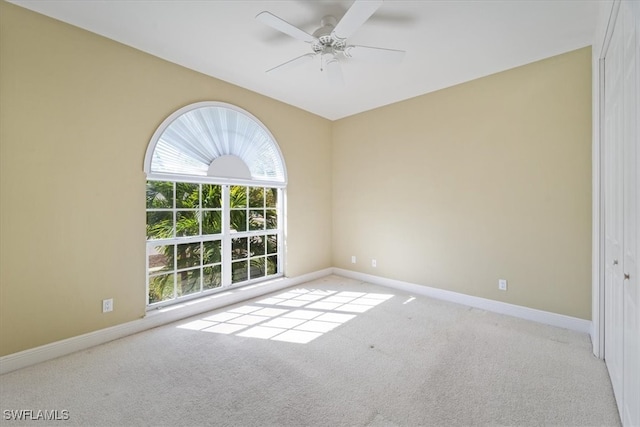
(152, 319)
(540, 316)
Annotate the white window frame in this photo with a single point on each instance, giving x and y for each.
(226, 235)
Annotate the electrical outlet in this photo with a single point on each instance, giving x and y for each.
(353, 259)
(107, 305)
(502, 284)
(374, 263)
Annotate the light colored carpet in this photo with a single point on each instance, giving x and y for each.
(375, 357)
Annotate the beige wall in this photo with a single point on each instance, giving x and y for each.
(486, 180)
(76, 114)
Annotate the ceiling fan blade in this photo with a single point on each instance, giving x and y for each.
(283, 26)
(357, 14)
(334, 72)
(374, 54)
(293, 62)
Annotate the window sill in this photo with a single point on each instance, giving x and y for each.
(216, 300)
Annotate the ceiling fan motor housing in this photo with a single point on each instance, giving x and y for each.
(326, 42)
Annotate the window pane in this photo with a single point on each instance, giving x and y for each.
(257, 245)
(237, 197)
(188, 282)
(256, 197)
(272, 265)
(178, 209)
(239, 271)
(211, 196)
(212, 252)
(160, 259)
(187, 223)
(188, 255)
(271, 197)
(239, 248)
(160, 288)
(238, 221)
(187, 195)
(211, 222)
(212, 277)
(257, 268)
(272, 244)
(159, 195)
(272, 219)
(256, 219)
(159, 225)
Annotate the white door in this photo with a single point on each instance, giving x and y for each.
(621, 198)
(614, 212)
(630, 23)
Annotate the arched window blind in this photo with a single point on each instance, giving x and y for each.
(215, 140)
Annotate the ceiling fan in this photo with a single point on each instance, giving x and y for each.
(329, 42)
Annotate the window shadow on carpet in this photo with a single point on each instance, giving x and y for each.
(296, 316)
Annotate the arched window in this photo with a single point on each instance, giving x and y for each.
(215, 180)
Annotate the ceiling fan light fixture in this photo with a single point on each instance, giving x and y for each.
(334, 71)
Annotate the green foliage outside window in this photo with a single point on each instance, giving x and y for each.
(187, 209)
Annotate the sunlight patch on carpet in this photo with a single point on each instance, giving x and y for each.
(296, 316)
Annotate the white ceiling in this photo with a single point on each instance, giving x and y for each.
(447, 42)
